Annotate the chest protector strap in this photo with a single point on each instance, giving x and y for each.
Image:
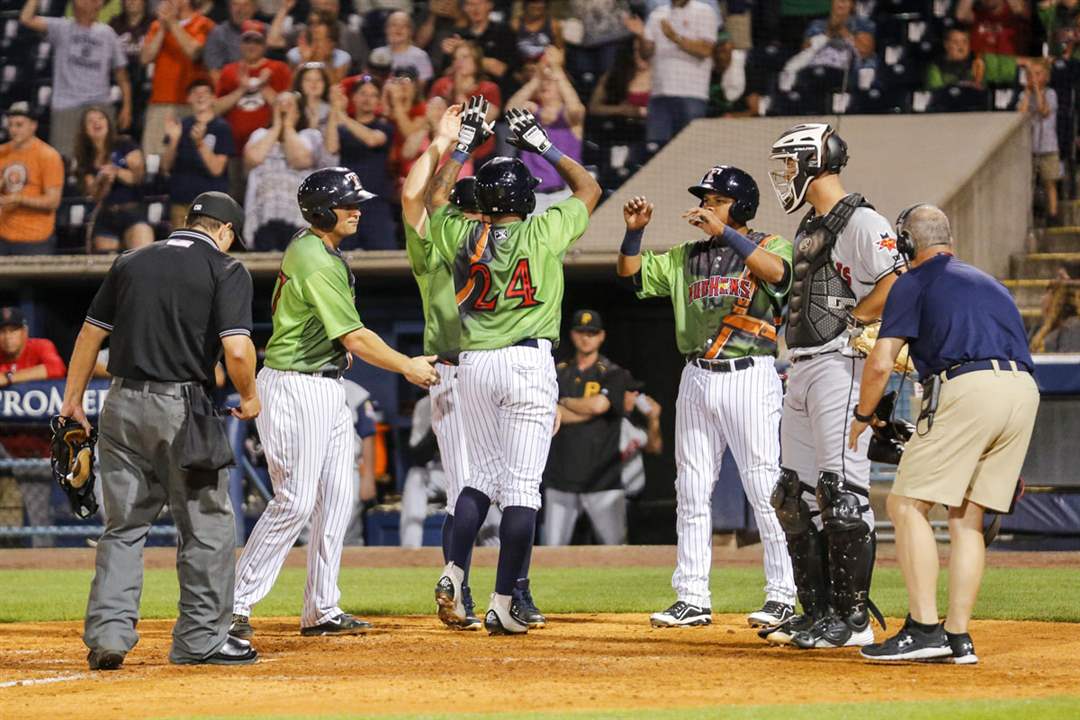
(738, 318)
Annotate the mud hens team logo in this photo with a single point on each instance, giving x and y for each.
(886, 242)
(14, 179)
(721, 286)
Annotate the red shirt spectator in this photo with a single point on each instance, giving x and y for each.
(22, 358)
(997, 26)
(464, 79)
(247, 87)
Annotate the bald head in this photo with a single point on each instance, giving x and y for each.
(928, 226)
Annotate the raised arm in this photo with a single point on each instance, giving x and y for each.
(529, 135)
(472, 133)
(764, 265)
(423, 170)
(29, 18)
(637, 212)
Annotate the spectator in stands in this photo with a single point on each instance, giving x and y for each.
(399, 41)
(173, 45)
(998, 26)
(465, 78)
(318, 44)
(1061, 19)
(311, 83)
(640, 434)
(284, 35)
(535, 30)
(278, 159)
(131, 25)
(551, 97)
(197, 151)
(958, 66)
(598, 28)
(1040, 103)
(23, 358)
(31, 181)
(441, 22)
(1060, 329)
(405, 109)
(223, 42)
(624, 90)
(247, 88)
(495, 39)
(86, 55)
(110, 170)
(679, 39)
(363, 143)
(833, 42)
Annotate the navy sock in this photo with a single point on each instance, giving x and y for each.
(470, 511)
(523, 574)
(515, 540)
(447, 534)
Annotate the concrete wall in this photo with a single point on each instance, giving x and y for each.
(975, 165)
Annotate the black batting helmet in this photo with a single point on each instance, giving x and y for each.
(326, 189)
(504, 186)
(463, 196)
(733, 183)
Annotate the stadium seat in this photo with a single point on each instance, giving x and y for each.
(956, 98)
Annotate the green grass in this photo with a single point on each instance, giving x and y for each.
(1065, 708)
(1007, 594)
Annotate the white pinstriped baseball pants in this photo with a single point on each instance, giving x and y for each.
(449, 430)
(715, 411)
(508, 399)
(307, 433)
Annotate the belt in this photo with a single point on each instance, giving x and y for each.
(800, 358)
(171, 389)
(335, 374)
(977, 365)
(724, 365)
(528, 342)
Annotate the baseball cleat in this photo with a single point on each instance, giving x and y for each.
(503, 617)
(832, 632)
(911, 643)
(105, 659)
(240, 627)
(471, 621)
(781, 634)
(771, 614)
(963, 650)
(449, 596)
(343, 624)
(526, 607)
(682, 614)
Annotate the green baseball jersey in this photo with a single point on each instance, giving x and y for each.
(721, 309)
(442, 327)
(508, 279)
(314, 304)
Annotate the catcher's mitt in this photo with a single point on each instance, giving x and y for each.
(887, 441)
(72, 450)
(864, 342)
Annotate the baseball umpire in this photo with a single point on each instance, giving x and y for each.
(306, 427)
(168, 309)
(508, 269)
(967, 339)
(845, 254)
(727, 291)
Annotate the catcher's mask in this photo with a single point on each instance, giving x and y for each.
(72, 456)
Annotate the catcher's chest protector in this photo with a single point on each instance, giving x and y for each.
(820, 298)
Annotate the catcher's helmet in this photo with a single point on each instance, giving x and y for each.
(463, 196)
(504, 186)
(326, 189)
(801, 154)
(733, 183)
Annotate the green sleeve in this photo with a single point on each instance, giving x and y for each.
(782, 247)
(658, 272)
(934, 81)
(562, 224)
(1000, 69)
(447, 230)
(332, 301)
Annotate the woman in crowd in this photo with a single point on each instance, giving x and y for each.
(407, 112)
(110, 170)
(311, 83)
(620, 100)
(318, 43)
(534, 30)
(465, 78)
(130, 26)
(363, 144)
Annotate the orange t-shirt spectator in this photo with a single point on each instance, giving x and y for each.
(247, 88)
(173, 44)
(22, 358)
(31, 180)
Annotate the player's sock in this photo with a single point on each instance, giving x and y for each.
(523, 574)
(515, 540)
(447, 535)
(471, 509)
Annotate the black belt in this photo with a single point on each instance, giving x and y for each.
(335, 374)
(977, 365)
(171, 389)
(800, 358)
(528, 342)
(724, 365)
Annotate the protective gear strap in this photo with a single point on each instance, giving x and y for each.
(851, 545)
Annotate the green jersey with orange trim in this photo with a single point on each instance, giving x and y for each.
(508, 278)
(314, 304)
(721, 310)
(442, 326)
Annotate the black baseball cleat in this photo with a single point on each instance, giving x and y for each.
(783, 633)
(682, 614)
(911, 643)
(240, 627)
(105, 659)
(343, 624)
(471, 621)
(962, 650)
(771, 614)
(832, 631)
(233, 652)
(527, 609)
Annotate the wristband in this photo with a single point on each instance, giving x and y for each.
(459, 156)
(631, 242)
(552, 155)
(738, 242)
(862, 418)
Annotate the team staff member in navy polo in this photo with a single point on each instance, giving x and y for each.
(168, 310)
(964, 331)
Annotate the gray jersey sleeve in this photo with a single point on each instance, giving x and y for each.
(866, 252)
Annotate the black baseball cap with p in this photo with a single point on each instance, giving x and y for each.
(588, 321)
(12, 317)
(219, 206)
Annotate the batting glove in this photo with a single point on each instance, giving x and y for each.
(474, 126)
(526, 133)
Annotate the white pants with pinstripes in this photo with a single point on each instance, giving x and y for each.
(307, 432)
(715, 411)
(508, 399)
(449, 430)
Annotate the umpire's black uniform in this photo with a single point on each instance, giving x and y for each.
(166, 308)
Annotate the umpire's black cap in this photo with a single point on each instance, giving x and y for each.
(588, 320)
(219, 206)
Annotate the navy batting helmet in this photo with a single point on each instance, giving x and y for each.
(504, 186)
(326, 189)
(734, 183)
(463, 196)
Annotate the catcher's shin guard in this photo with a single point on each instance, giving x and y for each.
(808, 552)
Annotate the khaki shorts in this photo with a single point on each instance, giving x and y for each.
(739, 28)
(976, 446)
(153, 137)
(1048, 166)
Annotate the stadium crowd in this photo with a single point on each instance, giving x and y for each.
(118, 113)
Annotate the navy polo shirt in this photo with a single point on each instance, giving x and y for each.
(952, 313)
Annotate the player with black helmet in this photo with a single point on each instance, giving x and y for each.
(306, 426)
(845, 254)
(727, 291)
